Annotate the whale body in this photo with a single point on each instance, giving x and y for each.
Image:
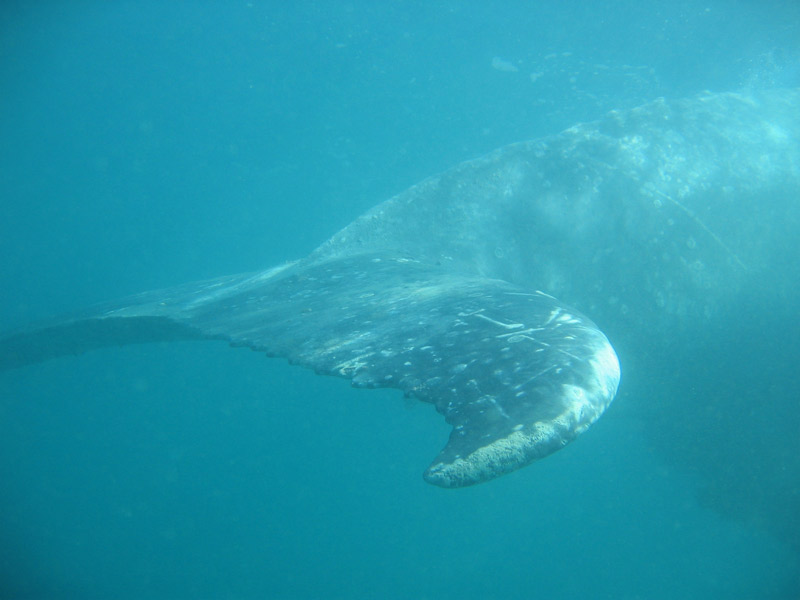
(480, 290)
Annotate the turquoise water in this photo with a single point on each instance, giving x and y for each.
(146, 144)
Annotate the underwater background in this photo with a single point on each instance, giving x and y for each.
(144, 144)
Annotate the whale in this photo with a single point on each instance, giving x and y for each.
(495, 290)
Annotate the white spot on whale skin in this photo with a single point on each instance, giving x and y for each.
(499, 323)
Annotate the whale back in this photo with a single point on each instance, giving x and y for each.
(670, 209)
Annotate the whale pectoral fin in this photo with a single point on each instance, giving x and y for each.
(517, 374)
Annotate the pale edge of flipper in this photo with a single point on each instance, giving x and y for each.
(517, 374)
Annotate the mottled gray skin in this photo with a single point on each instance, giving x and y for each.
(675, 206)
(656, 222)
